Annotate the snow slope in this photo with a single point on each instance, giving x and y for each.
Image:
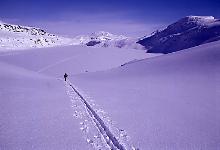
(39, 112)
(72, 59)
(187, 32)
(35, 112)
(167, 102)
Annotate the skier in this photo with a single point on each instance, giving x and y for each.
(65, 76)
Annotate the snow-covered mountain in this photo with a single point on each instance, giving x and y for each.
(106, 39)
(99, 37)
(22, 37)
(188, 32)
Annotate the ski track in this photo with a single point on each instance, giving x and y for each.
(98, 129)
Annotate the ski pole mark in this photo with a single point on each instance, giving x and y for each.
(106, 135)
(87, 126)
(110, 138)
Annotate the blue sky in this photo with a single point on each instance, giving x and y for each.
(131, 17)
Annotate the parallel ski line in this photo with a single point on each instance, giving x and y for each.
(100, 124)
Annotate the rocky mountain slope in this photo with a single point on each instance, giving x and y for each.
(22, 37)
(187, 32)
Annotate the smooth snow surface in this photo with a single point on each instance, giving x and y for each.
(168, 102)
(114, 99)
(35, 112)
(72, 59)
(39, 112)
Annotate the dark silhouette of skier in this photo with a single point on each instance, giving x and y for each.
(65, 76)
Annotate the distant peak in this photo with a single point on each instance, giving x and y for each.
(198, 20)
(201, 17)
(102, 33)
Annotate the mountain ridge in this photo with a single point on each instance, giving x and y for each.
(187, 32)
(24, 37)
